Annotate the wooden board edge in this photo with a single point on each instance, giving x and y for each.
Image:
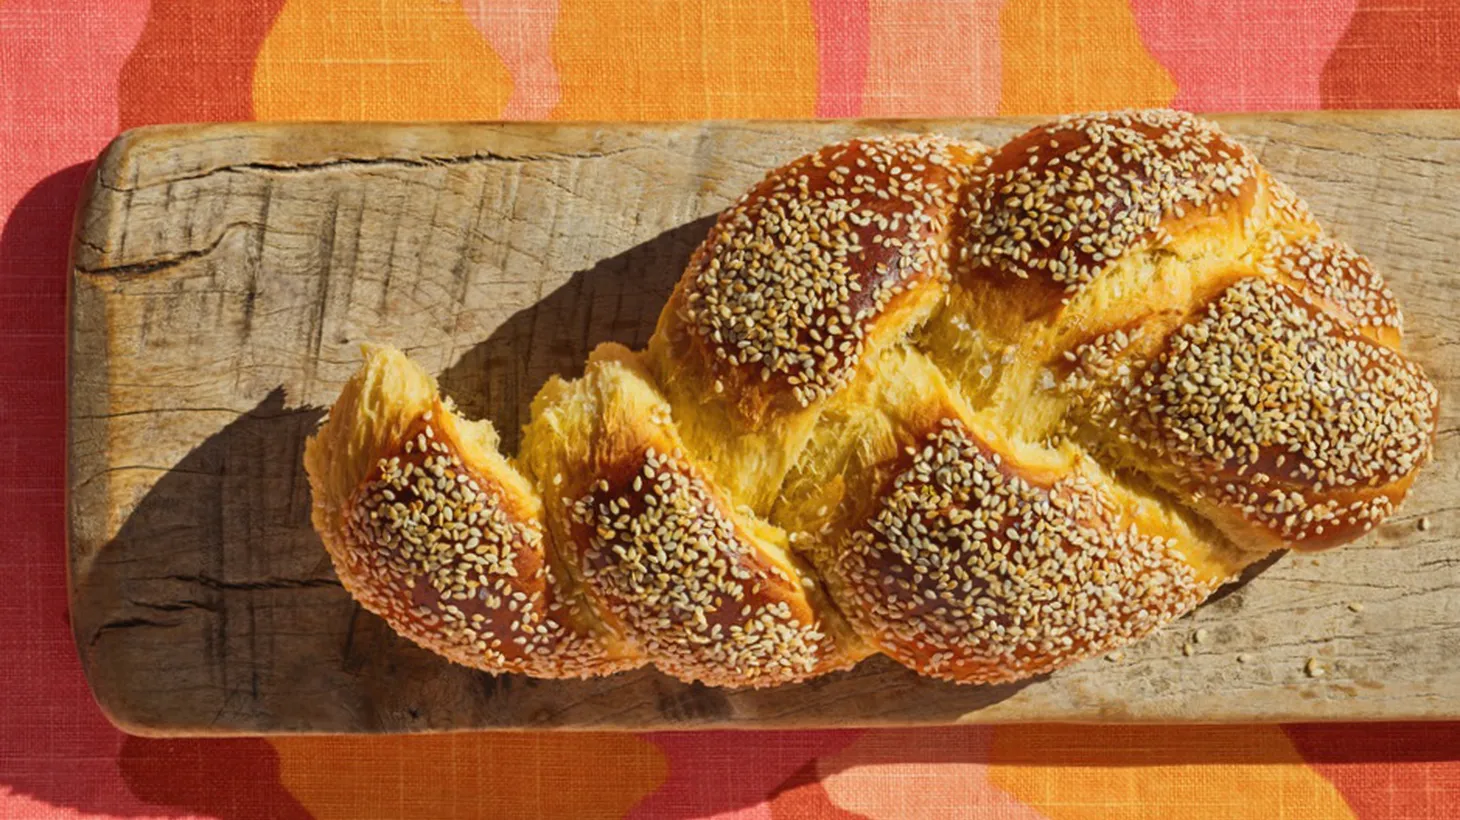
(131, 727)
(87, 490)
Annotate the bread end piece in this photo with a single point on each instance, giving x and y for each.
(430, 528)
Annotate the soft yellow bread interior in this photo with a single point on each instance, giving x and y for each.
(747, 445)
(1002, 342)
(605, 419)
(850, 457)
(375, 407)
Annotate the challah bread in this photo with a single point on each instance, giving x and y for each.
(987, 412)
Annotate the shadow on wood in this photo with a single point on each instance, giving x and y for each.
(220, 564)
(217, 554)
(616, 300)
(1251, 572)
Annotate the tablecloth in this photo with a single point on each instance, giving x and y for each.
(74, 72)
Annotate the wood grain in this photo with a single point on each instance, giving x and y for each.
(224, 276)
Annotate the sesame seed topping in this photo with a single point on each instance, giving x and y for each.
(968, 571)
(1062, 201)
(793, 277)
(445, 559)
(1334, 273)
(1261, 402)
(664, 557)
(1261, 373)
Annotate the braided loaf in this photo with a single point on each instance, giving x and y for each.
(987, 412)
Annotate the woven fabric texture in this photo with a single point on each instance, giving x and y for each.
(74, 72)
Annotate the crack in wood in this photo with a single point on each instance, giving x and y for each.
(353, 163)
(180, 605)
(248, 586)
(163, 263)
(129, 623)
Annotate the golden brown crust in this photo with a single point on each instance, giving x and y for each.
(440, 539)
(703, 592)
(458, 565)
(975, 568)
(659, 551)
(1337, 279)
(780, 299)
(1057, 204)
(1301, 430)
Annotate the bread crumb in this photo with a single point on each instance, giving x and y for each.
(1355, 606)
(1314, 669)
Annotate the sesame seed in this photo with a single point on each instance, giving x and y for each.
(1263, 387)
(1060, 201)
(430, 539)
(967, 571)
(665, 558)
(1328, 270)
(791, 278)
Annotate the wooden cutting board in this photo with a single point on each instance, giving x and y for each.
(224, 276)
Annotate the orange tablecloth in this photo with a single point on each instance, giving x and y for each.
(74, 72)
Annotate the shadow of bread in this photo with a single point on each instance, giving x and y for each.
(616, 300)
(231, 565)
(240, 572)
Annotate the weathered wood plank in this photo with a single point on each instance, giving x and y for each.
(223, 276)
